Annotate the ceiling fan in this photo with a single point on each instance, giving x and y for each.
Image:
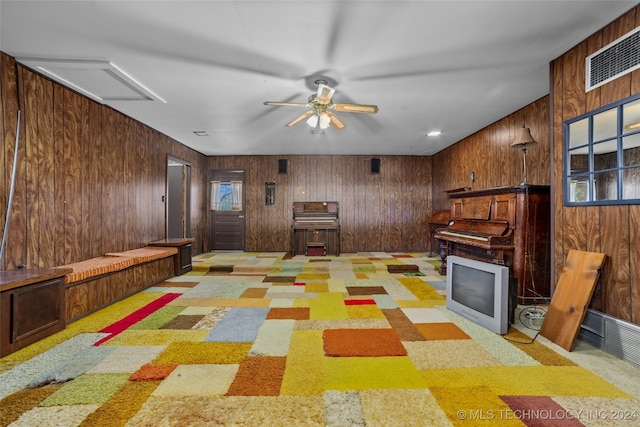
(321, 109)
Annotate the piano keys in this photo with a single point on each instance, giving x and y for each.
(315, 229)
(505, 225)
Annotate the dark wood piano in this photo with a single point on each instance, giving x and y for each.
(505, 225)
(315, 229)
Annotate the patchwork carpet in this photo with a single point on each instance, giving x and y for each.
(265, 339)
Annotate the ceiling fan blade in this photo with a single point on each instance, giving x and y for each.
(335, 121)
(299, 119)
(285, 104)
(324, 93)
(356, 108)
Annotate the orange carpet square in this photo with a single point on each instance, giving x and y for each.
(295, 313)
(441, 331)
(152, 372)
(258, 376)
(362, 343)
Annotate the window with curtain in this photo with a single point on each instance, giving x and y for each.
(226, 196)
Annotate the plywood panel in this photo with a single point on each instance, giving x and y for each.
(571, 298)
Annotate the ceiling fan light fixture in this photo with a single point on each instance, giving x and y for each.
(324, 93)
(324, 120)
(313, 121)
(320, 113)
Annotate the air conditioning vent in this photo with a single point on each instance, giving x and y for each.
(622, 339)
(614, 60)
(614, 336)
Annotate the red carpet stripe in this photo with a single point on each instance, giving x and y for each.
(359, 302)
(122, 324)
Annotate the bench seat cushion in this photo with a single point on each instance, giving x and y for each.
(146, 254)
(95, 267)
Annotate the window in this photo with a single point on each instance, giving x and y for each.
(602, 155)
(226, 196)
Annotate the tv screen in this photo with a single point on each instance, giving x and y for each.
(474, 288)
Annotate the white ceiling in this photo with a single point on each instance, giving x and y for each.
(455, 66)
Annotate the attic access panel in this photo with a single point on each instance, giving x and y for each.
(100, 80)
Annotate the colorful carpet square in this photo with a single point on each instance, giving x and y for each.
(269, 339)
(362, 343)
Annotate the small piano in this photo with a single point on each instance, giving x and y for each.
(315, 229)
(508, 226)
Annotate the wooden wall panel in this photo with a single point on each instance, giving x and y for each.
(89, 179)
(4, 166)
(634, 262)
(608, 229)
(489, 155)
(378, 212)
(72, 181)
(94, 182)
(17, 244)
(557, 214)
(615, 243)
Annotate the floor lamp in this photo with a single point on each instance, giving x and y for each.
(523, 140)
(532, 315)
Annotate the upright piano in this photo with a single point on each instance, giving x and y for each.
(507, 226)
(315, 229)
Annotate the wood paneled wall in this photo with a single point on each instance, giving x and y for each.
(378, 212)
(89, 180)
(488, 154)
(612, 230)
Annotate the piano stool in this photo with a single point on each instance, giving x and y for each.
(316, 249)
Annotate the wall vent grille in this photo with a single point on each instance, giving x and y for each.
(622, 339)
(614, 60)
(615, 336)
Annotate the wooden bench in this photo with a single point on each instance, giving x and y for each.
(98, 282)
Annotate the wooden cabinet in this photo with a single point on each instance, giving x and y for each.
(32, 306)
(182, 263)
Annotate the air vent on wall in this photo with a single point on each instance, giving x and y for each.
(99, 80)
(614, 60)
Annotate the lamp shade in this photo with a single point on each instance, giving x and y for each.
(523, 139)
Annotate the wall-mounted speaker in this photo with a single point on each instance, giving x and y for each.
(282, 165)
(375, 165)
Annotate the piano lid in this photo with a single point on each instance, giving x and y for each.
(315, 208)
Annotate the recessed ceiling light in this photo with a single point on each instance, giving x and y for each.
(434, 133)
(201, 132)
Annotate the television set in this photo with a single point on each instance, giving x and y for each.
(479, 291)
